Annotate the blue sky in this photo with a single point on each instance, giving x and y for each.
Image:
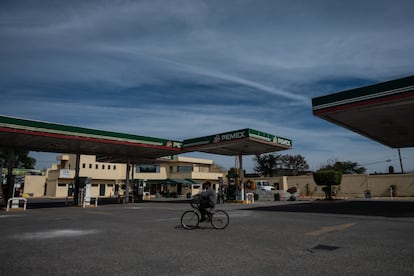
(181, 69)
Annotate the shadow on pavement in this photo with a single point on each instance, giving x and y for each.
(362, 208)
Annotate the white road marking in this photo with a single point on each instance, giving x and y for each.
(51, 234)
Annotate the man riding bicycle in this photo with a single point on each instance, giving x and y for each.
(207, 200)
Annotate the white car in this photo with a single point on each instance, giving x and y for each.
(264, 185)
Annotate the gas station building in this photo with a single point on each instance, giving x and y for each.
(179, 175)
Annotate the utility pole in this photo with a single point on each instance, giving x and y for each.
(401, 164)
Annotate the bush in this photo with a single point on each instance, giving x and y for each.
(328, 179)
(292, 190)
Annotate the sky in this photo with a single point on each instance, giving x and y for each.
(180, 69)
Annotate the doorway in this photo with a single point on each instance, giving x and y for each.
(102, 189)
(70, 189)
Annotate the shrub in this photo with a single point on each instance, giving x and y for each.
(327, 179)
(292, 190)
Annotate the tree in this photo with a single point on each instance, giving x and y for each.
(271, 165)
(266, 164)
(327, 178)
(22, 159)
(347, 167)
(296, 163)
(233, 173)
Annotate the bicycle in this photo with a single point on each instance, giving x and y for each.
(191, 219)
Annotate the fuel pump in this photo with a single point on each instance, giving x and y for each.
(84, 193)
(138, 190)
(233, 183)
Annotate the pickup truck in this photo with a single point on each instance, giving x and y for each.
(263, 185)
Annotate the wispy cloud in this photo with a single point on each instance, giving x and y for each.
(180, 69)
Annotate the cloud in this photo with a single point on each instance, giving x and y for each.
(181, 69)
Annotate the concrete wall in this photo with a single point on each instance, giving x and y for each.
(51, 186)
(352, 186)
(34, 185)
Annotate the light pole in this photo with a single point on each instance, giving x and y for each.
(401, 164)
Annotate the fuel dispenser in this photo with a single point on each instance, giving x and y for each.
(138, 189)
(84, 193)
(233, 184)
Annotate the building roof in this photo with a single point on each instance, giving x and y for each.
(383, 112)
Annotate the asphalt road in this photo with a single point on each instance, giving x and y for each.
(268, 238)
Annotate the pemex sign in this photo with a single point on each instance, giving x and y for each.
(239, 135)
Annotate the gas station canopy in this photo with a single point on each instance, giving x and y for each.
(239, 142)
(111, 146)
(383, 112)
(117, 147)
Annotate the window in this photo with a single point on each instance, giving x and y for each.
(114, 167)
(148, 168)
(96, 166)
(103, 167)
(109, 167)
(61, 185)
(83, 165)
(184, 168)
(90, 166)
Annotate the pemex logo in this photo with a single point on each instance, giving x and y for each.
(216, 139)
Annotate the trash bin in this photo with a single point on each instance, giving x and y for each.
(277, 197)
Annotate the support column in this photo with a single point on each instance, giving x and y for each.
(127, 181)
(1, 182)
(10, 179)
(77, 180)
(133, 179)
(241, 175)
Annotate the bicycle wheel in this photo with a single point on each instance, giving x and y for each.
(190, 219)
(220, 219)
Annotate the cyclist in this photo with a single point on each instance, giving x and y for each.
(207, 200)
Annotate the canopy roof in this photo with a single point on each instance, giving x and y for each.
(244, 141)
(41, 136)
(383, 112)
(117, 147)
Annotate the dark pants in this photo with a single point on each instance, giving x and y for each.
(204, 205)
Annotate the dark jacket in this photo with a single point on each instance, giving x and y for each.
(209, 195)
